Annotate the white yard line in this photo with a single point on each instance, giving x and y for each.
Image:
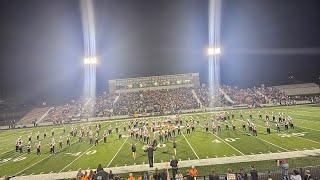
(42, 159)
(297, 136)
(265, 141)
(190, 146)
(117, 152)
(32, 165)
(78, 157)
(227, 143)
(308, 128)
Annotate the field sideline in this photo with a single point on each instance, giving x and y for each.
(197, 145)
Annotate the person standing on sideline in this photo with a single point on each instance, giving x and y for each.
(174, 166)
(253, 173)
(149, 151)
(133, 149)
(284, 167)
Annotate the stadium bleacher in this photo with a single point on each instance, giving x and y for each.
(34, 115)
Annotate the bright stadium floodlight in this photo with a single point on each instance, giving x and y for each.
(90, 60)
(213, 51)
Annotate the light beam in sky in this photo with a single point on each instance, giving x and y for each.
(90, 60)
(214, 51)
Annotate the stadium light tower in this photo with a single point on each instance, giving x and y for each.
(214, 51)
(90, 59)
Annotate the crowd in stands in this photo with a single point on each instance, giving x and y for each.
(244, 96)
(193, 173)
(168, 101)
(161, 101)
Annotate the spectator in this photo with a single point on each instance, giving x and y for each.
(179, 175)
(111, 175)
(193, 172)
(79, 175)
(307, 175)
(156, 175)
(101, 174)
(91, 175)
(253, 173)
(284, 167)
(131, 177)
(296, 175)
(213, 176)
(164, 174)
(85, 176)
(230, 175)
(174, 166)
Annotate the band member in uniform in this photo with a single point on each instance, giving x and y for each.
(52, 132)
(192, 127)
(179, 130)
(260, 115)
(268, 127)
(286, 125)
(44, 135)
(227, 126)
(174, 144)
(20, 146)
(206, 126)
(96, 140)
(233, 126)
(243, 125)
(39, 148)
(133, 150)
(278, 127)
(105, 137)
(29, 148)
(68, 140)
(60, 142)
(38, 134)
(120, 134)
(188, 128)
(110, 129)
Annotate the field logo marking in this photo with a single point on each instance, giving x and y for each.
(227, 143)
(216, 141)
(19, 159)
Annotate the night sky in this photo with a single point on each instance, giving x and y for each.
(41, 43)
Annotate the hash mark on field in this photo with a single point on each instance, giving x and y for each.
(190, 146)
(279, 150)
(216, 156)
(270, 152)
(42, 172)
(233, 154)
(252, 153)
(117, 152)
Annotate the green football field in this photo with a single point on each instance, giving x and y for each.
(197, 145)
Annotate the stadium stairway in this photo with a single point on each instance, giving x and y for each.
(261, 94)
(197, 98)
(35, 113)
(44, 115)
(226, 96)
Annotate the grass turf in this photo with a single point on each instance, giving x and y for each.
(117, 152)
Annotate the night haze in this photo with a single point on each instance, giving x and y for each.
(263, 42)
